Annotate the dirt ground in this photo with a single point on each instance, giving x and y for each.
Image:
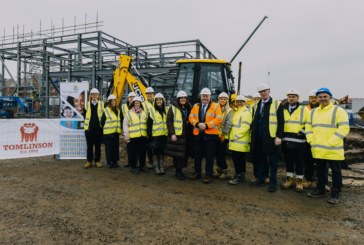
(45, 201)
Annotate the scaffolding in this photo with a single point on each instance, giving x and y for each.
(85, 53)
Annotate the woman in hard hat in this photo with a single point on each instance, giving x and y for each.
(179, 133)
(239, 138)
(124, 110)
(93, 130)
(135, 134)
(110, 122)
(224, 130)
(157, 132)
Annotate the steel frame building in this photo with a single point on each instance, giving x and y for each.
(89, 56)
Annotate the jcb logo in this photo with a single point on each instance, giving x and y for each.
(138, 91)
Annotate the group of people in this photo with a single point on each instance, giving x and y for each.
(311, 137)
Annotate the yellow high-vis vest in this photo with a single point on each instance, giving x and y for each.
(273, 121)
(159, 123)
(124, 109)
(112, 123)
(137, 124)
(326, 129)
(177, 121)
(239, 139)
(100, 111)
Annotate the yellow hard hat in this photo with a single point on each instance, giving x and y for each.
(233, 97)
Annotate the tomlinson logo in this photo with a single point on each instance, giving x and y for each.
(29, 132)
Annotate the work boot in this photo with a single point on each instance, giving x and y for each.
(334, 197)
(207, 179)
(180, 175)
(288, 183)
(87, 165)
(161, 167)
(99, 164)
(272, 188)
(217, 173)
(195, 176)
(116, 165)
(299, 185)
(236, 180)
(316, 193)
(224, 175)
(156, 167)
(306, 184)
(149, 165)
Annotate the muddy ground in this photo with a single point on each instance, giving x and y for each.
(45, 201)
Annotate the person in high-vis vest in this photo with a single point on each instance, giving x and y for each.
(326, 128)
(110, 122)
(93, 130)
(179, 133)
(147, 105)
(205, 117)
(294, 140)
(224, 130)
(124, 110)
(239, 139)
(256, 99)
(157, 132)
(267, 133)
(135, 134)
(309, 165)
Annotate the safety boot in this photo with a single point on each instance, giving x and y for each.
(217, 173)
(156, 167)
(224, 175)
(87, 165)
(288, 183)
(99, 164)
(306, 184)
(299, 185)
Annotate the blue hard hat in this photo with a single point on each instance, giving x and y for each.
(324, 90)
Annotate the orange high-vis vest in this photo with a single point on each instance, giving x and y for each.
(213, 118)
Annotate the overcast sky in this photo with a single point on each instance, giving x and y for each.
(304, 44)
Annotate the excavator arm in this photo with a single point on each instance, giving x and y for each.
(123, 76)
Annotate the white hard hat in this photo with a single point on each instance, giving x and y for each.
(223, 95)
(159, 95)
(94, 91)
(181, 94)
(149, 90)
(240, 97)
(293, 91)
(262, 86)
(131, 94)
(111, 97)
(206, 91)
(256, 95)
(313, 93)
(136, 98)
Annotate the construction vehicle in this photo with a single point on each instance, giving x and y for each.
(193, 75)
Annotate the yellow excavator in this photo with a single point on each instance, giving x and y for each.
(193, 75)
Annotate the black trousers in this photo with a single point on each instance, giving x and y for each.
(309, 164)
(205, 148)
(111, 148)
(294, 159)
(239, 162)
(137, 151)
(322, 174)
(221, 154)
(93, 139)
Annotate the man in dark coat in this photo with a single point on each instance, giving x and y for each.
(267, 133)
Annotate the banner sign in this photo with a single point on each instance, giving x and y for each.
(22, 138)
(72, 138)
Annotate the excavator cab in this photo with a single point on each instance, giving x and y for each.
(196, 74)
